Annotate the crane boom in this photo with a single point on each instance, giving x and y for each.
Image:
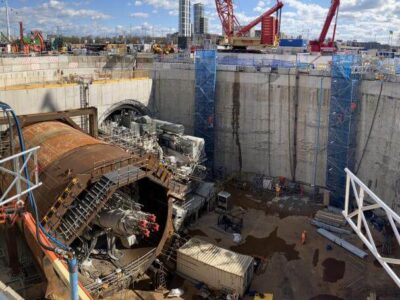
(331, 14)
(235, 35)
(320, 45)
(230, 23)
(227, 17)
(256, 21)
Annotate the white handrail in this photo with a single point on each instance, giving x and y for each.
(19, 185)
(360, 191)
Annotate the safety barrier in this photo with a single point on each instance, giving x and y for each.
(20, 185)
(367, 201)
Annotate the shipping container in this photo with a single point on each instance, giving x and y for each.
(218, 268)
(295, 43)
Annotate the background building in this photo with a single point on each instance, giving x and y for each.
(184, 18)
(200, 22)
(203, 25)
(198, 12)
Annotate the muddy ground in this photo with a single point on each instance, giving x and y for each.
(317, 270)
(272, 227)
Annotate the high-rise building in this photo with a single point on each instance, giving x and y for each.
(198, 11)
(184, 18)
(204, 25)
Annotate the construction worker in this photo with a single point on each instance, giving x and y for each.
(277, 190)
(303, 237)
(210, 122)
(301, 190)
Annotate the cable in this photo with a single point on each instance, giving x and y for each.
(30, 194)
(11, 132)
(31, 197)
(292, 171)
(71, 259)
(370, 129)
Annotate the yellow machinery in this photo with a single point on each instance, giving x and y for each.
(166, 49)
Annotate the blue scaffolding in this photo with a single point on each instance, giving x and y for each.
(343, 114)
(205, 80)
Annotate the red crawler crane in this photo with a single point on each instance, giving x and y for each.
(34, 43)
(320, 45)
(234, 31)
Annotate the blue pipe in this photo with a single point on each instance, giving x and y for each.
(73, 277)
(30, 194)
(72, 263)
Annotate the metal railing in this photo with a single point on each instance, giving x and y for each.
(14, 166)
(143, 159)
(132, 270)
(256, 62)
(367, 201)
(183, 58)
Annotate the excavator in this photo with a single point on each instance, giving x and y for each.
(34, 43)
(236, 36)
(166, 49)
(321, 45)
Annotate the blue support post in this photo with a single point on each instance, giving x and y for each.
(73, 277)
(344, 105)
(205, 81)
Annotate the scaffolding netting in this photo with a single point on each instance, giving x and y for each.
(205, 80)
(342, 124)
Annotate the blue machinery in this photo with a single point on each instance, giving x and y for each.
(343, 112)
(205, 81)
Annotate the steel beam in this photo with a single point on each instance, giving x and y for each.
(360, 193)
(64, 116)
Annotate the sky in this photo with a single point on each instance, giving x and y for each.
(362, 20)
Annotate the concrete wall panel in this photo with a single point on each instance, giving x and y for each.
(62, 97)
(255, 124)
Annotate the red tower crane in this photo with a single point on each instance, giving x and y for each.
(320, 45)
(232, 27)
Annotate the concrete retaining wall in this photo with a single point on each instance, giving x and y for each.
(56, 97)
(276, 114)
(44, 69)
(380, 165)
